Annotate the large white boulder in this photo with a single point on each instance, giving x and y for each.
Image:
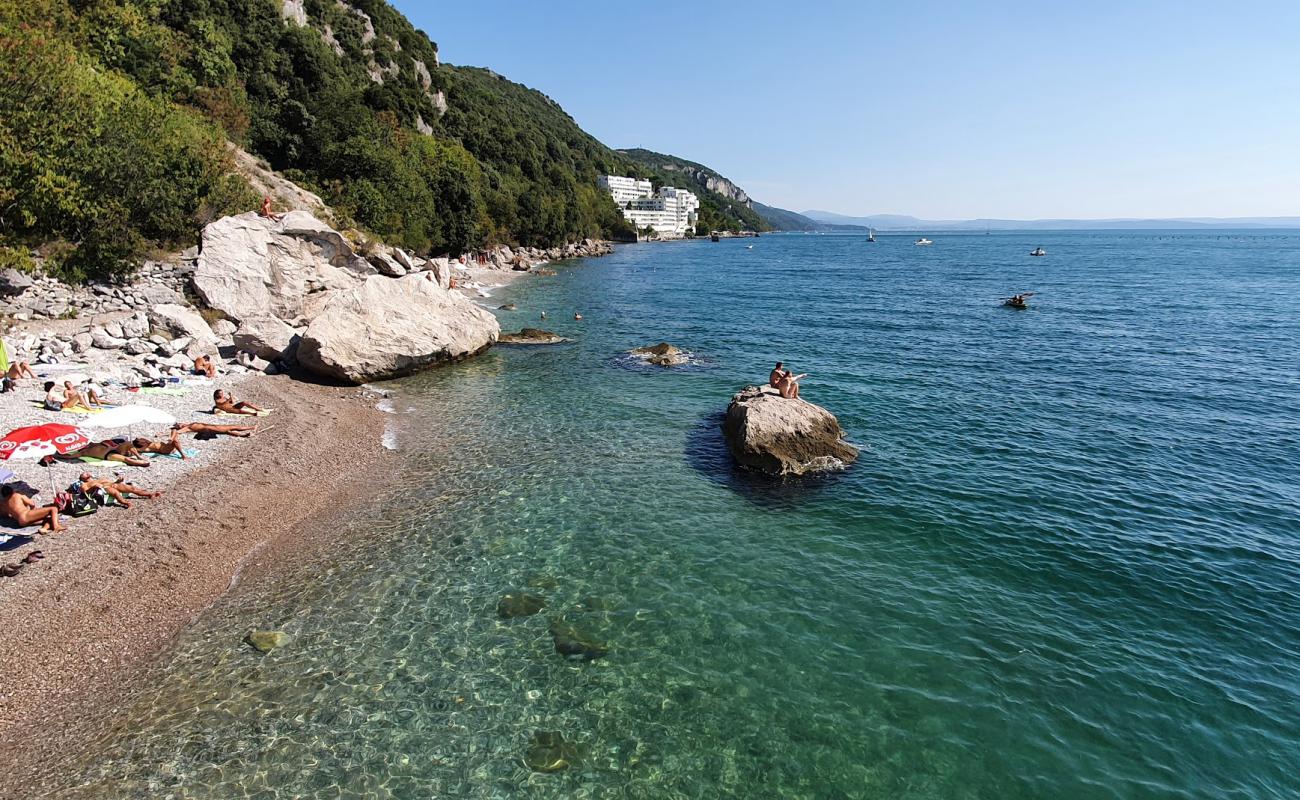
(252, 266)
(772, 434)
(264, 337)
(179, 320)
(388, 327)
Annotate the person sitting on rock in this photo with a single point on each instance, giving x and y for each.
(265, 210)
(170, 447)
(114, 488)
(123, 452)
(227, 404)
(774, 380)
(203, 366)
(56, 399)
(211, 431)
(789, 387)
(23, 510)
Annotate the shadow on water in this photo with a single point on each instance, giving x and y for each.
(706, 453)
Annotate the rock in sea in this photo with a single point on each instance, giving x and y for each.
(519, 604)
(575, 644)
(531, 336)
(550, 752)
(767, 432)
(266, 641)
(662, 354)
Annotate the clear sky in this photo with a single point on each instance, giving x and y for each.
(937, 109)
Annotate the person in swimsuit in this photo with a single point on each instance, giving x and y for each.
(789, 387)
(23, 510)
(240, 431)
(228, 404)
(203, 366)
(20, 369)
(265, 211)
(114, 488)
(56, 398)
(90, 399)
(167, 448)
(124, 452)
(774, 379)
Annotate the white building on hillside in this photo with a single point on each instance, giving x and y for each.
(670, 211)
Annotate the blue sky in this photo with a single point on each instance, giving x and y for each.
(937, 109)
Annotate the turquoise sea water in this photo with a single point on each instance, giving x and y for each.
(1067, 563)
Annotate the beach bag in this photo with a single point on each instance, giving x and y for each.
(77, 503)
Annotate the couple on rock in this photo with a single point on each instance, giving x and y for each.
(785, 383)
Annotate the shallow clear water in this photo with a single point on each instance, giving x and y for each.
(1066, 565)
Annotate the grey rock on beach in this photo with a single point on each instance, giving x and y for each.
(389, 327)
(780, 436)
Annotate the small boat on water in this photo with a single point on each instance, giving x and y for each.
(749, 247)
(1038, 251)
(1018, 301)
(871, 235)
(922, 242)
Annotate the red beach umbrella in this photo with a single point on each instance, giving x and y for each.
(38, 441)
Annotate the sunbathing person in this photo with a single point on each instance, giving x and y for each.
(85, 400)
(114, 488)
(20, 369)
(774, 379)
(240, 431)
(23, 510)
(229, 405)
(203, 366)
(56, 399)
(124, 452)
(789, 386)
(170, 447)
(265, 211)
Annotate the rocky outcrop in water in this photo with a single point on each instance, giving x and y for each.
(531, 336)
(662, 354)
(388, 327)
(266, 641)
(549, 751)
(576, 644)
(767, 432)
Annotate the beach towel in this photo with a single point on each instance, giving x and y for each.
(189, 451)
(4, 357)
(74, 409)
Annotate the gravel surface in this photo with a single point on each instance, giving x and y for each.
(80, 625)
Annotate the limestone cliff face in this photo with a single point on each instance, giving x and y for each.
(716, 183)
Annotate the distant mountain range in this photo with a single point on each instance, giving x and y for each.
(886, 222)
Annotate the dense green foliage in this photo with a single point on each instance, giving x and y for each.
(91, 168)
(718, 212)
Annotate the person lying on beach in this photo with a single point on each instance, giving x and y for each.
(56, 398)
(23, 510)
(774, 379)
(170, 447)
(10, 570)
(124, 452)
(240, 431)
(114, 488)
(229, 405)
(203, 366)
(789, 387)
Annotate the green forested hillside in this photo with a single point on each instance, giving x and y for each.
(117, 111)
(723, 205)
